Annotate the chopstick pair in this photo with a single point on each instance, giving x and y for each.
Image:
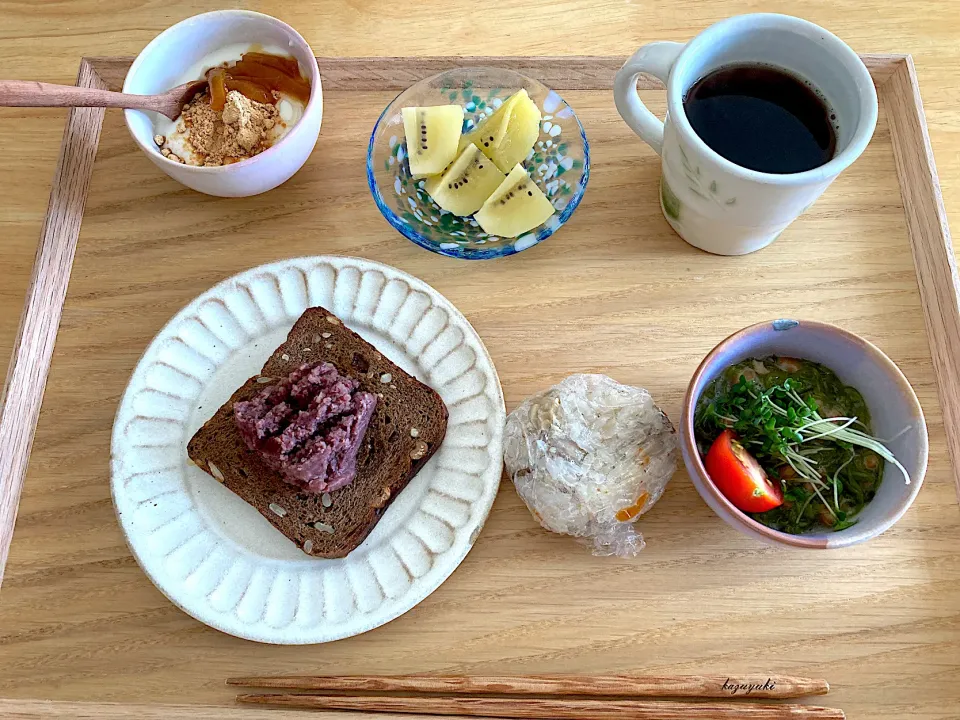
(572, 697)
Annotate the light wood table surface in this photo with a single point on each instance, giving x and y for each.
(881, 622)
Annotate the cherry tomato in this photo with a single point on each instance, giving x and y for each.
(738, 475)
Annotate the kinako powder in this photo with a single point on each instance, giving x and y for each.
(240, 131)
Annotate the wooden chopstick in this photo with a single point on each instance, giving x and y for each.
(553, 709)
(703, 686)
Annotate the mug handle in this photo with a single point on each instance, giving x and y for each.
(657, 59)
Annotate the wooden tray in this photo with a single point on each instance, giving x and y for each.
(615, 291)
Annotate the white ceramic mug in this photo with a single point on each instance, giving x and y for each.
(712, 203)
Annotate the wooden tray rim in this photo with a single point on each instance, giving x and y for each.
(896, 81)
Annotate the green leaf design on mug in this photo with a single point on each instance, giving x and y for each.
(671, 203)
(695, 184)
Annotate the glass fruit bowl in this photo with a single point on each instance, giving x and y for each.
(559, 162)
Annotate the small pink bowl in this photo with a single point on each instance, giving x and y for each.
(895, 410)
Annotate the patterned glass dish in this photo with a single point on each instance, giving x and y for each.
(559, 162)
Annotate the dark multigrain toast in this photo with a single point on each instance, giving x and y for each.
(408, 426)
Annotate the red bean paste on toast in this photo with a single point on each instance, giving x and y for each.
(308, 426)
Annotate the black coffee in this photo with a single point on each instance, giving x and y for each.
(762, 118)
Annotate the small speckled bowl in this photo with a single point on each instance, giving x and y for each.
(895, 410)
(559, 162)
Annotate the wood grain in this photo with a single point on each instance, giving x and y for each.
(549, 709)
(718, 686)
(33, 348)
(64, 710)
(399, 73)
(930, 242)
(79, 621)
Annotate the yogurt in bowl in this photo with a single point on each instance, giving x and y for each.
(181, 54)
(248, 123)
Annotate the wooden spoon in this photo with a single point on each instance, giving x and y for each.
(27, 93)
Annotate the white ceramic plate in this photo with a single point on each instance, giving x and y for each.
(213, 555)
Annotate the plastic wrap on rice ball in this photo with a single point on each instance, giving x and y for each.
(588, 457)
